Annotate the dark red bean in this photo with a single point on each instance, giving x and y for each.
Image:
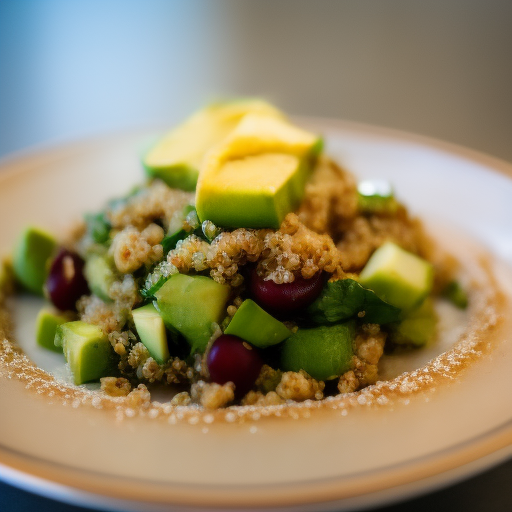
(66, 282)
(232, 359)
(287, 297)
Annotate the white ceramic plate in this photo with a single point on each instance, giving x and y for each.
(389, 442)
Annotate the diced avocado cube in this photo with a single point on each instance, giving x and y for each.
(397, 276)
(324, 352)
(177, 157)
(418, 326)
(191, 305)
(31, 253)
(258, 133)
(175, 175)
(253, 192)
(46, 328)
(100, 273)
(376, 196)
(257, 174)
(255, 325)
(151, 330)
(87, 350)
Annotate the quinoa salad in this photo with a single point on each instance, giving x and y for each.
(247, 268)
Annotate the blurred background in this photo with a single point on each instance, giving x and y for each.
(441, 68)
(70, 69)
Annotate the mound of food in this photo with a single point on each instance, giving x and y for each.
(249, 269)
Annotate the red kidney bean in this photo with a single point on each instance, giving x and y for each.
(66, 282)
(232, 359)
(286, 297)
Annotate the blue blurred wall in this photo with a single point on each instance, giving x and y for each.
(71, 68)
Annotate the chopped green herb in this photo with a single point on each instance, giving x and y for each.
(456, 294)
(98, 227)
(169, 242)
(344, 299)
(157, 278)
(182, 225)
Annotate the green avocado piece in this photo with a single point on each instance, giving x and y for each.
(100, 273)
(190, 305)
(252, 192)
(418, 326)
(46, 326)
(324, 352)
(32, 251)
(259, 133)
(177, 157)
(255, 325)
(257, 175)
(87, 350)
(151, 330)
(376, 196)
(397, 276)
(181, 176)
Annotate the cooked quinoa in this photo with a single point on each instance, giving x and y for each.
(155, 202)
(251, 290)
(328, 234)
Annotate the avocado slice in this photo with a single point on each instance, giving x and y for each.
(190, 305)
(177, 157)
(418, 326)
(100, 273)
(397, 276)
(258, 133)
(325, 352)
(255, 325)
(87, 350)
(46, 326)
(257, 174)
(252, 192)
(32, 251)
(151, 330)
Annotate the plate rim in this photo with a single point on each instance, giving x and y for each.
(501, 444)
(46, 148)
(416, 476)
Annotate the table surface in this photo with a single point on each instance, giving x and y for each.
(489, 491)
